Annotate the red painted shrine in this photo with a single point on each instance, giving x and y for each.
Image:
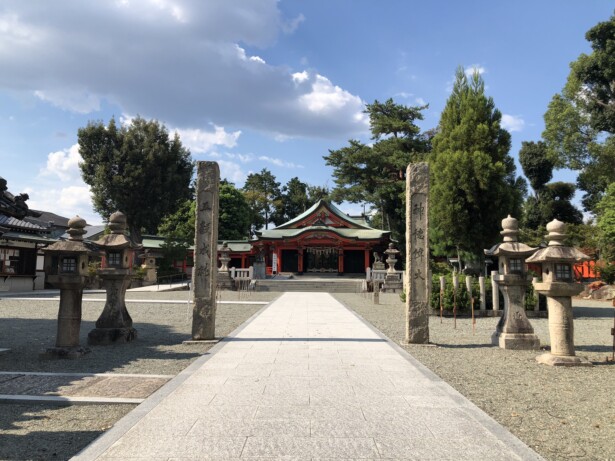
(321, 240)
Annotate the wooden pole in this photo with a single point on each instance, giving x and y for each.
(469, 288)
(442, 283)
(455, 288)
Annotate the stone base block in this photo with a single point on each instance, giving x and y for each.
(224, 281)
(563, 361)
(392, 287)
(201, 341)
(64, 352)
(106, 336)
(516, 341)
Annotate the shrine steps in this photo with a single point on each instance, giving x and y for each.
(313, 286)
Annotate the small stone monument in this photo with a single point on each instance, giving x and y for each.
(514, 330)
(225, 281)
(204, 273)
(559, 287)
(149, 266)
(115, 324)
(392, 281)
(417, 254)
(66, 267)
(260, 269)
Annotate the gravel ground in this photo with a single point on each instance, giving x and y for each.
(562, 413)
(43, 431)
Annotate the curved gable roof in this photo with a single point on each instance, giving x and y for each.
(324, 205)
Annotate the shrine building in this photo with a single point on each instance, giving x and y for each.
(323, 239)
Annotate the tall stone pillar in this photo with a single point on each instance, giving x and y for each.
(417, 253)
(205, 270)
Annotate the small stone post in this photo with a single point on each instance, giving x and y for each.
(535, 280)
(66, 267)
(417, 253)
(205, 271)
(495, 293)
(559, 287)
(481, 287)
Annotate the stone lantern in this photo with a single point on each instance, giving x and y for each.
(224, 278)
(66, 267)
(115, 323)
(392, 281)
(514, 330)
(558, 286)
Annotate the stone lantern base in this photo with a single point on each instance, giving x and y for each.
(224, 281)
(64, 352)
(516, 341)
(563, 361)
(392, 284)
(107, 336)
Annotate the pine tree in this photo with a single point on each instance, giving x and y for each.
(473, 176)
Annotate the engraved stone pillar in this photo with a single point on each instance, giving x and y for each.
(205, 252)
(417, 253)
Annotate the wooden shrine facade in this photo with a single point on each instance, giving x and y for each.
(321, 240)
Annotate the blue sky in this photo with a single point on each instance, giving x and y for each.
(262, 84)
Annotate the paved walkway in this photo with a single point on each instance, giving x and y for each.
(307, 379)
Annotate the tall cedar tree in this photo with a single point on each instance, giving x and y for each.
(580, 121)
(473, 177)
(137, 169)
(374, 174)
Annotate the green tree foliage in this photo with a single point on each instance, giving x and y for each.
(233, 224)
(374, 174)
(606, 223)
(234, 221)
(580, 121)
(473, 177)
(263, 195)
(296, 197)
(137, 169)
(537, 166)
(555, 203)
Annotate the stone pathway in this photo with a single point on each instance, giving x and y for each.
(307, 379)
(82, 388)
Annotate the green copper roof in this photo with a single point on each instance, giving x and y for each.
(333, 209)
(354, 234)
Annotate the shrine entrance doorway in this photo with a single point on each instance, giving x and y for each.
(321, 259)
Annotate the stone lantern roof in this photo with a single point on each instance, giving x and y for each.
(117, 239)
(556, 251)
(510, 245)
(75, 243)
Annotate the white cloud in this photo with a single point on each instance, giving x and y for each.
(65, 201)
(243, 158)
(82, 102)
(512, 122)
(200, 141)
(178, 61)
(475, 68)
(404, 94)
(232, 172)
(64, 164)
(420, 101)
(279, 162)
